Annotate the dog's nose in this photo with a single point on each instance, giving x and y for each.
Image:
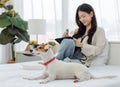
(31, 50)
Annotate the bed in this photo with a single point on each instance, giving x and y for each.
(11, 75)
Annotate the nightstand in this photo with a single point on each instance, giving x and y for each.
(26, 56)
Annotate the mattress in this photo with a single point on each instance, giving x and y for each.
(11, 75)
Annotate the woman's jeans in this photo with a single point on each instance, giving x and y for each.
(67, 51)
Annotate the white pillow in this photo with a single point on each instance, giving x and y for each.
(102, 58)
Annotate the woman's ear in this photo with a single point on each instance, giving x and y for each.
(91, 13)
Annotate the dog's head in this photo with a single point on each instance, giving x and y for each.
(45, 51)
(41, 47)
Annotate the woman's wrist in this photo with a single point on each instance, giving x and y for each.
(79, 45)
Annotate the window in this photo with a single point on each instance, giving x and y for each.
(45, 9)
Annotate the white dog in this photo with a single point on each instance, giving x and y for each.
(57, 69)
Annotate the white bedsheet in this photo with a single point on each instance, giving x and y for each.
(11, 76)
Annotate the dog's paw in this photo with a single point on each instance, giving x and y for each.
(43, 82)
(76, 80)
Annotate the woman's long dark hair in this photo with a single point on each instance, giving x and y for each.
(81, 31)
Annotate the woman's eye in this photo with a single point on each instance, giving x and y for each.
(83, 16)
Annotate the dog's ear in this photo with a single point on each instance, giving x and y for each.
(48, 46)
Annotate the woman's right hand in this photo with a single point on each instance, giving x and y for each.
(65, 34)
(77, 43)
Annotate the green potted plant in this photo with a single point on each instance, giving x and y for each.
(14, 28)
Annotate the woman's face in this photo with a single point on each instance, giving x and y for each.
(85, 17)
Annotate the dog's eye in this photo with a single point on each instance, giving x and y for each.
(40, 47)
(46, 50)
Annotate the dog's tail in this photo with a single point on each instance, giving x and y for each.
(105, 77)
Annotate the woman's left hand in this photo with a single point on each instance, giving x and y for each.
(77, 42)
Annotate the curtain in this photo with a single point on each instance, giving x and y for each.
(107, 14)
(50, 10)
(60, 15)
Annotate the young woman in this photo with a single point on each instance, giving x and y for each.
(88, 40)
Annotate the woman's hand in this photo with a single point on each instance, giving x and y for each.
(65, 34)
(77, 43)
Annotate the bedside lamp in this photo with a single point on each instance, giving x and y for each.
(37, 26)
